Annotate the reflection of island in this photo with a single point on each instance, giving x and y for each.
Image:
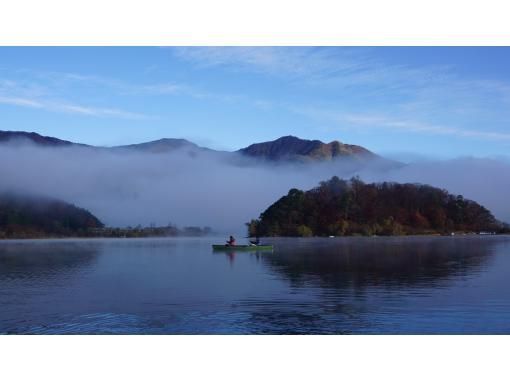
(340, 285)
(362, 262)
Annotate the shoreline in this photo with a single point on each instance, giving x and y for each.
(62, 238)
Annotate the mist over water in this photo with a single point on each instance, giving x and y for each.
(212, 189)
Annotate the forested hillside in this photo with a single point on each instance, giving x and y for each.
(29, 216)
(339, 207)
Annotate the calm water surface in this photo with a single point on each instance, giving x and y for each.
(424, 285)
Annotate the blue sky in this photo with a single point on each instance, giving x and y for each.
(424, 101)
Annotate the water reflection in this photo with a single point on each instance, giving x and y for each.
(19, 259)
(340, 285)
(306, 286)
(34, 276)
(231, 255)
(362, 262)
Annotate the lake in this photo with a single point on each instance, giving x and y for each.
(380, 285)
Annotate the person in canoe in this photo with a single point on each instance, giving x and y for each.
(231, 241)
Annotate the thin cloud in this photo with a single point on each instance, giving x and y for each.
(126, 88)
(95, 111)
(71, 108)
(15, 101)
(348, 120)
(182, 89)
(316, 65)
(16, 94)
(413, 126)
(289, 61)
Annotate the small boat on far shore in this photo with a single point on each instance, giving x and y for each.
(251, 247)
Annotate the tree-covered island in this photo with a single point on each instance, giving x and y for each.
(351, 207)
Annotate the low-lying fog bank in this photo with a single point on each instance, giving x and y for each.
(206, 189)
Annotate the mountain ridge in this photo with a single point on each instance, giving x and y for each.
(284, 149)
(295, 149)
(36, 138)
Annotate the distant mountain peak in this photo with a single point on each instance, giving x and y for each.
(161, 145)
(291, 138)
(172, 140)
(32, 137)
(292, 148)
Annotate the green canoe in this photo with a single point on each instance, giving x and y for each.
(223, 247)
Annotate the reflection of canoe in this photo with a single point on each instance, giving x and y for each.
(223, 247)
